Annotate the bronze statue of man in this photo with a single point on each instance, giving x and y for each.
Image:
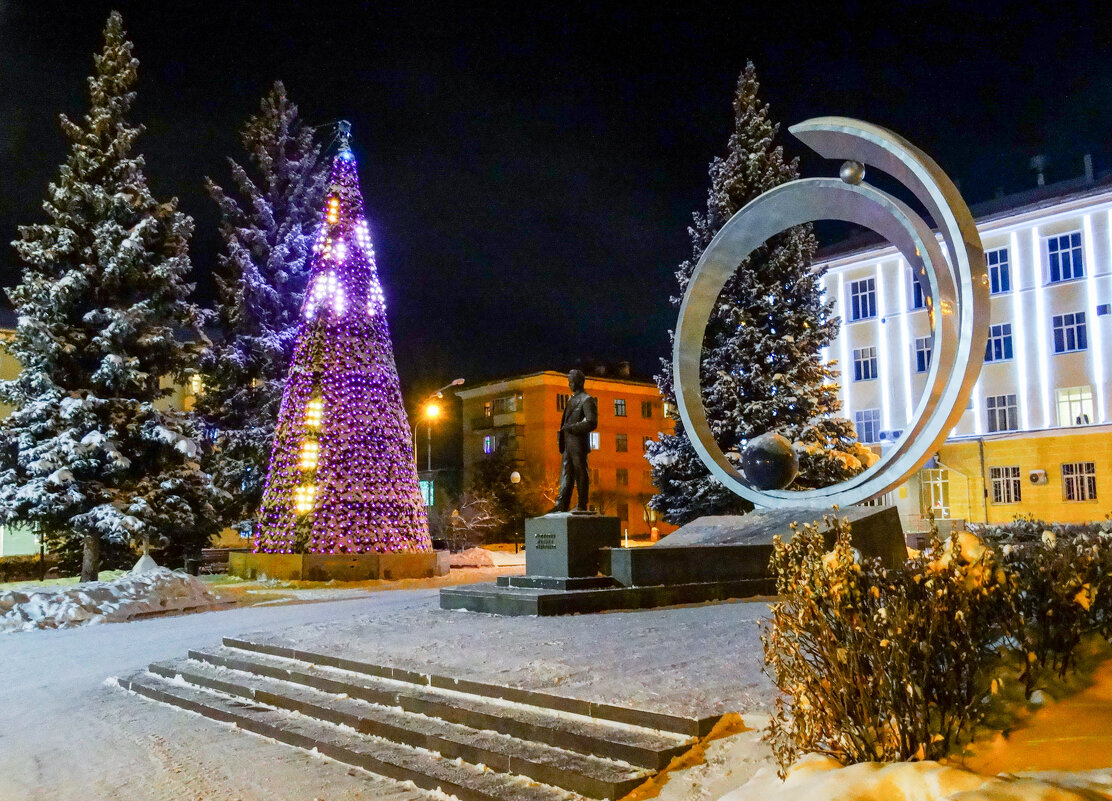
(580, 419)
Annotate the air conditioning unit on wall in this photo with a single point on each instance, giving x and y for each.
(1037, 477)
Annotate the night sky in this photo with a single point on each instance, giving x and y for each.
(529, 173)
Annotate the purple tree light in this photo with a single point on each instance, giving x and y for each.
(342, 477)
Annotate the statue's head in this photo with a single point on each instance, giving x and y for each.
(576, 380)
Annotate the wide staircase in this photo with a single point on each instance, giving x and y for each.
(473, 740)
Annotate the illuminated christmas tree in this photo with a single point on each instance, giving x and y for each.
(342, 477)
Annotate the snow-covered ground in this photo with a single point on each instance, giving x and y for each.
(64, 734)
(129, 596)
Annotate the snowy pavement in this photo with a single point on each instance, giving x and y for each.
(64, 734)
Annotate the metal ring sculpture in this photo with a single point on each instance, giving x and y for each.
(956, 293)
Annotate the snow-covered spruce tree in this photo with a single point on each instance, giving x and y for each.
(267, 231)
(90, 452)
(761, 369)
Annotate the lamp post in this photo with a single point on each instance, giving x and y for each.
(432, 412)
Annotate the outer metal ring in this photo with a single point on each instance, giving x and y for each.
(957, 295)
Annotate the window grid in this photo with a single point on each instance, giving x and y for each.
(1069, 332)
(1075, 406)
(867, 422)
(1079, 481)
(864, 364)
(622, 475)
(862, 299)
(1064, 258)
(619, 407)
(595, 441)
(999, 271)
(1006, 486)
(923, 350)
(918, 297)
(1002, 412)
(646, 409)
(999, 345)
(621, 443)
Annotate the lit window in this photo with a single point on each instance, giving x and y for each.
(1075, 406)
(595, 444)
(867, 422)
(490, 443)
(428, 492)
(1069, 332)
(1064, 258)
(923, 350)
(314, 413)
(862, 299)
(621, 443)
(303, 498)
(310, 454)
(622, 476)
(999, 271)
(1006, 486)
(647, 409)
(999, 345)
(864, 364)
(196, 384)
(619, 407)
(1079, 481)
(1002, 412)
(934, 492)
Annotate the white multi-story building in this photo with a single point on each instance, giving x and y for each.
(1037, 434)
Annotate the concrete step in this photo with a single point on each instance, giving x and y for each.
(635, 745)
(588, 775)
(678, 724)
(426, 769)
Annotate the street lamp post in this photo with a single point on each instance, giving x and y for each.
(432, 411)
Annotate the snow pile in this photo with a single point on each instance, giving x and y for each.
(472, 557)
(821, 778)
(128, 596)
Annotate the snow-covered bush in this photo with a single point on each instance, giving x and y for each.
(882, 664)
(1028, 528)
(27, 568)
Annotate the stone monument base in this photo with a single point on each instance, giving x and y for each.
(709, 559)
(339, 566)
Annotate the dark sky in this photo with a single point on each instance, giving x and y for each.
(529, 173)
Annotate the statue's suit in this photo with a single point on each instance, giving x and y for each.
(580, 419)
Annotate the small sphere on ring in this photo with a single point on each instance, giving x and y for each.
(769, 462)
(852, 172)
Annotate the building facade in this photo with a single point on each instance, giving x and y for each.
(522, 415)
(1036, 436)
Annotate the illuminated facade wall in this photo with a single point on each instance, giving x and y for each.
(342, 477)
(1048, 377)
(523, 414)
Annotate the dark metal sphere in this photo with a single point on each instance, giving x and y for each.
(769, 462)
(852, 172)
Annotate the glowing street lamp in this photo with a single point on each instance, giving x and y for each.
(432, 412)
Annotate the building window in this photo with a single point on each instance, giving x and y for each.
(619, 407)
(918, 299)
(622, 477)
(1063, 257)
(934, 492)
(561, 401)
(862, 299)
(864, 364)
(595, 444)
(1002, 413)
(507, 404)
(621, 443)
(999, 271)
(1006, 485)
(645, 444)
(1079, 481)
(623, 511)
(428, 492)
(490, 443)
(923, 351)
(868, 425)
(1075, 406)
(196, 384)
(1069, 332)
(999, 345)
(646, 409)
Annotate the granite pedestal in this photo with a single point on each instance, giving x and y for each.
(709, 559)
(566, 545)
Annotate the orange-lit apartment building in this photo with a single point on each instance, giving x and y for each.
(523, 413)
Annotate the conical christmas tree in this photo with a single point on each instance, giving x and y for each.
(342, 477)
